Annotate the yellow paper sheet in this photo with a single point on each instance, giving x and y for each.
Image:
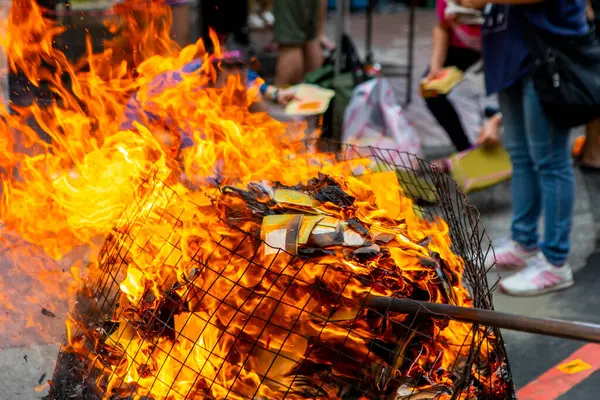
(448, 79)
(481, 168)
(294, 197)
(312, 100)
(281, 232)
(307, 226)
(327, 232)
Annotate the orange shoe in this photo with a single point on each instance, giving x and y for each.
(577, 149)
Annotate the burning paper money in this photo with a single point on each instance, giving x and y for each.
(312, 100)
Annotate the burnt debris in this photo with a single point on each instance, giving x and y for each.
(48, 313)
(293, 262)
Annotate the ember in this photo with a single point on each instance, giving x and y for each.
(260, 293)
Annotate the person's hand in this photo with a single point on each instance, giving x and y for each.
(434, 73)
(476, 4)
(589, 11)
(285, 96)
(490, 133)
(326, 43)
(451, 19)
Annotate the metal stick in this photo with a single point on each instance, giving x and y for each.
(543, 326)
(411, 51)
(340, 30)
(369, 35)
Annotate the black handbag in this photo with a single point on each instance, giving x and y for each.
(566, 76)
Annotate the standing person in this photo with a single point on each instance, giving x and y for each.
(543, 181)
(225, 17)
(590, 156)
(589, 160)
(297, 31)
(180, 28)
(453, 45)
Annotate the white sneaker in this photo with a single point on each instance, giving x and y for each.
(511, 256)
(537, 278)
(255, 22)
(268, 17)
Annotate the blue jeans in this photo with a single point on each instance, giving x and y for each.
(543, 178)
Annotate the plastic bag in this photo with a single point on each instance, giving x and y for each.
(375, 118)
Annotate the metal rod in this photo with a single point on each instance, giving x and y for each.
(411, 50)
(369, 35)
(340, 30)
(549, 327)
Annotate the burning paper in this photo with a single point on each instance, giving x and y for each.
(312, 100)
(183, 336)
(292, 197)
(306, 229)
(281, 232)
(185, 300)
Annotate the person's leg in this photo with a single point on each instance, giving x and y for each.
(444, 113)
(181, 26)
(209, 17)
(442, 109)
(591, 150)
(550, 151)
(525, 186)
(290, 37)
(315, 28)
(327, 43)
(313, 56)
(548, 271)
(290, 66)
(239, 22)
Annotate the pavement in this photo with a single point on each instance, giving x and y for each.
(28, 352)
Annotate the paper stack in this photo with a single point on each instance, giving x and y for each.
(312, 100)
(480, 168)
(447, 79)
(463, 15)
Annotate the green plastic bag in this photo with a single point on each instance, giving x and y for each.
(322, 77)
(343, 85)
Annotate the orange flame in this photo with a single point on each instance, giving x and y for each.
(77, 190)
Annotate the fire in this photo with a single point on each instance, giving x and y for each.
(187, 303)
(207, 309)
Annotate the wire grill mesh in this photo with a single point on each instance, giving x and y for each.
(241, 317)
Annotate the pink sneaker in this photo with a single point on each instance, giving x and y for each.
(537, 278)
(511, 256)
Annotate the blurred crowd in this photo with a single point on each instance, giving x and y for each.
(298, 29)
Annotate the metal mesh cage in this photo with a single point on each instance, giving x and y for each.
(232, 323)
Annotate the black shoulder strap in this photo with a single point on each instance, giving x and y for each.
(538, 47)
